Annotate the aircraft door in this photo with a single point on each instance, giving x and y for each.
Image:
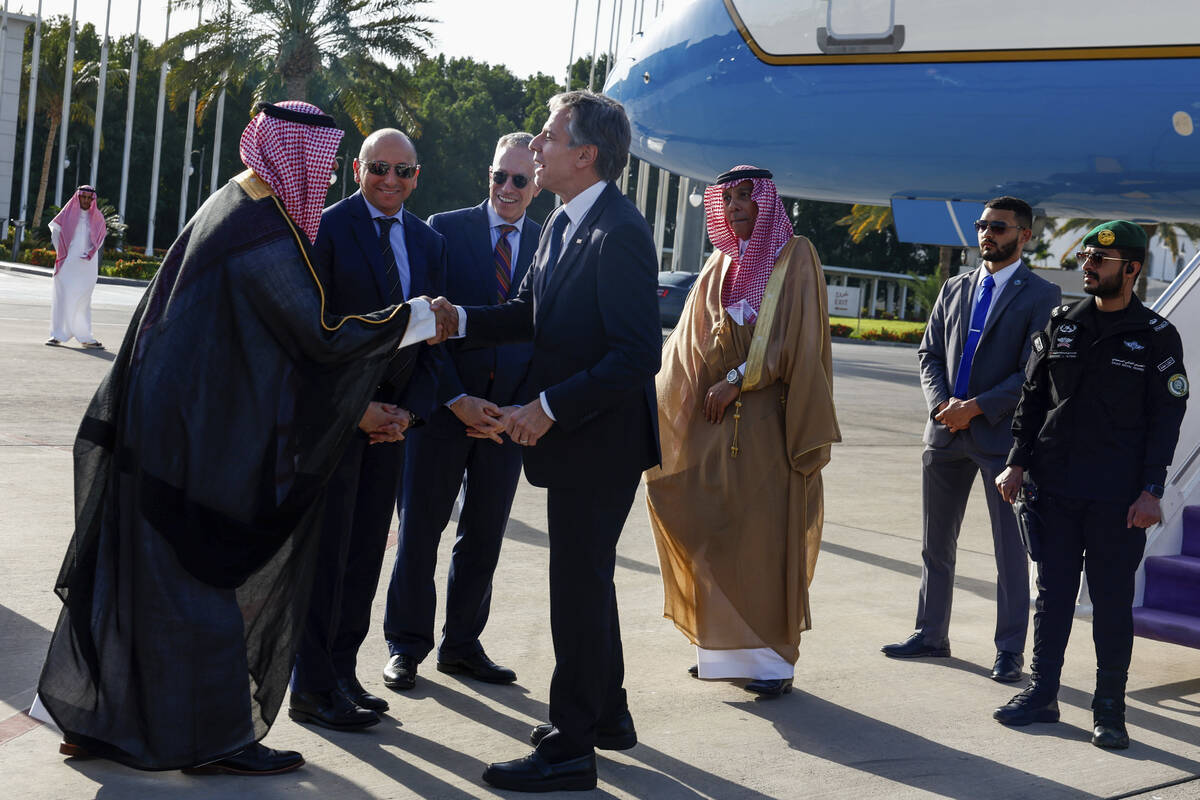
(861, 26)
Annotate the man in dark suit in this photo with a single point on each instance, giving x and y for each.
(489, 248)
(370, 253)
(972, 359)
(589, 423)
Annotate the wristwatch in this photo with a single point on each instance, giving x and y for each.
(1155, 489)
(733, 377)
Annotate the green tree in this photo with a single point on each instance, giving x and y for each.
(289, 42)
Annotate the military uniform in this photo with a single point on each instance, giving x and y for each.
(1097, 424)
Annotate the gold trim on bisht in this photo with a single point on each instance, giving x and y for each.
(258, 189)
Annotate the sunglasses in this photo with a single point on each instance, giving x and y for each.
(1086, 259)
(500, 177)
(994, 225)
(403, 171)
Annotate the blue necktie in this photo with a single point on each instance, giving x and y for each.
(556, 241)
(968, 355)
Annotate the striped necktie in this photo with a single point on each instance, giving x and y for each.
(391, 274)
(503, 263)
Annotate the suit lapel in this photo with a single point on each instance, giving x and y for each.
(529, 244)
(418, 272)
(966, 304)
(479, 236)
(1014, 287)
(363, 229)
(573, 249)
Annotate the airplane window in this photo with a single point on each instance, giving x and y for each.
(861, 19)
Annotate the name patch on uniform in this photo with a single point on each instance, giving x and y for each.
(1134, 345)
(1127, 364)
(1177, 384)
(1164, 366)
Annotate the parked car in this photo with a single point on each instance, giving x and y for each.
(673, 288)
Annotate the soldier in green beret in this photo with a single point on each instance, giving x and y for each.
(1094, 431)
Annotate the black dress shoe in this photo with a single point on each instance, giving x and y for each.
(478, 666)
(360, 696)
(1110, 734)
(694, 670)
(770, 688)
(1007, 668)
(257, 759)
(916, 647)
(1031, 705)
(400, 672)
(331, 710)
(619, 735)
(534, 773)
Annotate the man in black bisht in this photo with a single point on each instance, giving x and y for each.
(1096, 427)
(200, 468)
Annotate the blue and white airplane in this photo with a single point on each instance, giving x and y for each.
(1082, 107)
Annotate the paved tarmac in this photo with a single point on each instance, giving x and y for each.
(858, 725)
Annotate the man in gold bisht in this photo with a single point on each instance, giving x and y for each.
(746, 419)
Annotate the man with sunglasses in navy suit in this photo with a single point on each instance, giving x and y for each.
(489, 248)
(972, 360)
(370, 252)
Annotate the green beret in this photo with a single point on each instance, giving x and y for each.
(1117, 233)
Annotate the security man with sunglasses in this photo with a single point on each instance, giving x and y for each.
(1096, 428)
(370, 252)
(972, 359)
(489, 248)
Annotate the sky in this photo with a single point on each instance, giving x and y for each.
(466, 28)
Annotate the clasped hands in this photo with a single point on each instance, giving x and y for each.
(957, 414)
(525, 424)
(384, 422)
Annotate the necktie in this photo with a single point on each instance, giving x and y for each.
(556, 237)
(391, 275)
(968, 355)
(503, 263)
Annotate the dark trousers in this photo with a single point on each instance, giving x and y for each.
(1090, 535)
(358, 513)
(436, 467)
(946, 479)
(589, 667)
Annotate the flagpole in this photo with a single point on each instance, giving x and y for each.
(133, 68)
(68, 76)
(158, 130)
(30, 104)
(99, 117)
(187, 139)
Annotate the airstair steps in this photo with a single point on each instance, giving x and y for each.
(1171, 606)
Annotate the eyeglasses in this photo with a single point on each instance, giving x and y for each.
(500, 177)
(995, 226)
(403, 171)
(1086, 259)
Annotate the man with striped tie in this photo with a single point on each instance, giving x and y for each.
(489, 248)
(972, 360)
(370, 252)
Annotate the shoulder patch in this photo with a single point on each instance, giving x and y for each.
(1177, 385)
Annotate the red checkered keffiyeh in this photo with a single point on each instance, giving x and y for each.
(748, 272)
(294, 158)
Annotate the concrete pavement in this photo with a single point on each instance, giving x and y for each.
(858, 725)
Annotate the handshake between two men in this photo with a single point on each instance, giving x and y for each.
(385, 422)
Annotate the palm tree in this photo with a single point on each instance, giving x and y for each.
(293, 41)
(1169, 232)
